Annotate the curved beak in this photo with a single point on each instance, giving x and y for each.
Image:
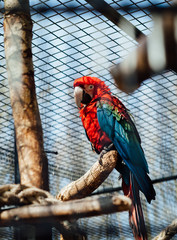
(81, 96)
(78, 96)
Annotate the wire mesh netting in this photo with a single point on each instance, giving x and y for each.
(67, 45)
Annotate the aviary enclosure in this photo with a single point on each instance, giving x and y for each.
(132, 46)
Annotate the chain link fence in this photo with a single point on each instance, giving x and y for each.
(71, 39)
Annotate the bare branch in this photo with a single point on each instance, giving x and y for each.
(115, 17)
(91, 206)
(168, 232)
(91, 180)
(154, 55)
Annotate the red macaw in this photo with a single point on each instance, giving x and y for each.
(109, 126)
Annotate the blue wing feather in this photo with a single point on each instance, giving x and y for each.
(122, 133)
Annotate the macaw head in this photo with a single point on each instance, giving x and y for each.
(88, 88)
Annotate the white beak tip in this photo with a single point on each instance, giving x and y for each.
(78, 95)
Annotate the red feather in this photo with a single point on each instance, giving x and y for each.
(90, 122)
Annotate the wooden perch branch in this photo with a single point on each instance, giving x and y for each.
(168, 232)
(29, 137)
(155, 54)
(91, 206)
(91, 180)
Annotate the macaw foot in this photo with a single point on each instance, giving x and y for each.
(105, 150)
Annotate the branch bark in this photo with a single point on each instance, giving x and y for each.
(29, 137)
(155, 54)
(168, 232)
(91, 206)
(91, 180)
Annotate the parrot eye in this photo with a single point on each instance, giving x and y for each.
(91, 86)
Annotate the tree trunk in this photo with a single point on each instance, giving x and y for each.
(29, 137)
(33, 165)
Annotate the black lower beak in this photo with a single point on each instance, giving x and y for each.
(86, 98)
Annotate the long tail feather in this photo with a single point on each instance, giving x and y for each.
(136, 218)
